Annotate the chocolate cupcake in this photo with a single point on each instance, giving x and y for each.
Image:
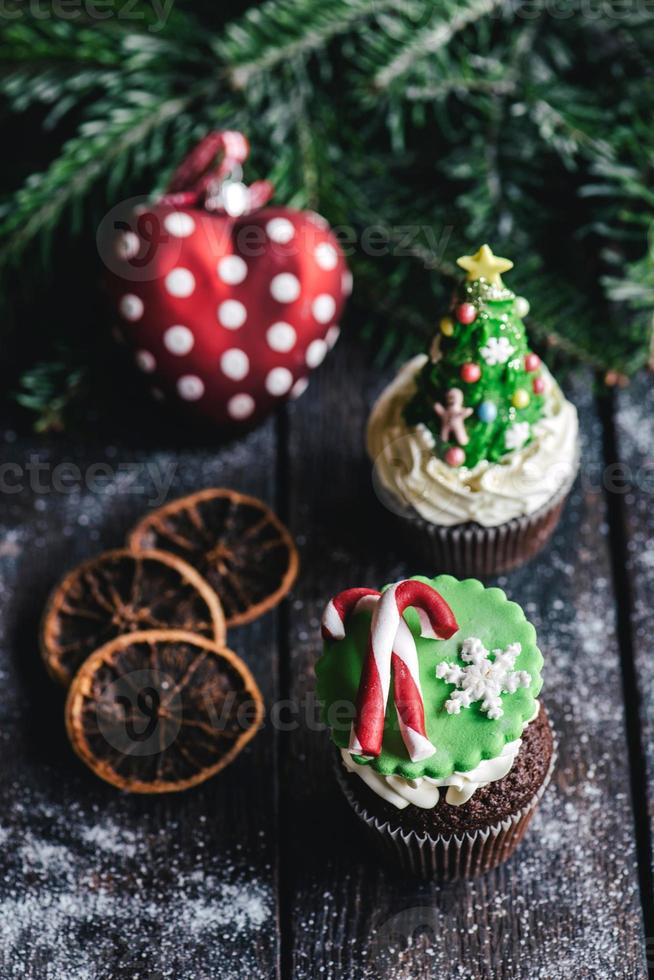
(474, 445)
(446, 750)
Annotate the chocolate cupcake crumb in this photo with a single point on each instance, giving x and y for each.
(489, 805)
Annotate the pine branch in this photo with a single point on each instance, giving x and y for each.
(50, 389)
(459, 86)
(440, 125)
(433, 38)
(565, 135)
(91, 154)
(281, 31)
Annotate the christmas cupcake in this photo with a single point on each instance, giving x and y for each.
(474, 445)
(445, 772)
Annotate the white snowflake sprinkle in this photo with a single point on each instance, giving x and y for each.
(484, 679)
(497, 350)
(517, 435)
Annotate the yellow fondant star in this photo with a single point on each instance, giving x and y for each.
(485, 264)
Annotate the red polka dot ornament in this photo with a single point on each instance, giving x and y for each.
(227, 305)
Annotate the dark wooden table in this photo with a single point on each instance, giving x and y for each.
(262, 872)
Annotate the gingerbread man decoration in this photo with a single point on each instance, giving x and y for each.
(453, 415)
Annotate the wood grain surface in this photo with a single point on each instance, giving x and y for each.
(95, 883)
(263, 871)
(568, 903)
(631, 446)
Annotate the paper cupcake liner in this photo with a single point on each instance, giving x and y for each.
(471, 550)
(454, 857)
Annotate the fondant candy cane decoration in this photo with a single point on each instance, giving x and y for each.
(391, 645)
(436, 621)
(340, 608)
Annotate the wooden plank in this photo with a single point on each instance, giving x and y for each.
(95, 884)
(633, 478)
(568, 905)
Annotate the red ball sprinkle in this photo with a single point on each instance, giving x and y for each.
(455, 456)
(538, 384)
(532, 362)
(466, 313)
(470, 372)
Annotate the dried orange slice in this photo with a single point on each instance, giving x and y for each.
(162, 710)
(236, 542)
(120, 592)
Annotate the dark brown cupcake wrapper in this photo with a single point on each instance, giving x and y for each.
(454, 857)
(472, 550)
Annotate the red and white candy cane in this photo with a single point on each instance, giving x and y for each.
(391, 646)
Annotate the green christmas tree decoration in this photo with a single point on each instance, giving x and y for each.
(482, 389)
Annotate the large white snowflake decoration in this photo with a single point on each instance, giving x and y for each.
(516, 435)
(484, 679)
(497, 350)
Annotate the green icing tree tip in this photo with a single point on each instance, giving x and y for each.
(482, 388)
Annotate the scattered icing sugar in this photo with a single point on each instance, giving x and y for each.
(77, 895)
(111, 838)
(124, 888)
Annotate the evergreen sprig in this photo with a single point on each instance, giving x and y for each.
(440, 124)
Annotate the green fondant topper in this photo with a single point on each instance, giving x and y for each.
(470, 714)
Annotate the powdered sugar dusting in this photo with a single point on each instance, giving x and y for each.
(96, 885)
(635, 431)
(110, 838)
(77, 895)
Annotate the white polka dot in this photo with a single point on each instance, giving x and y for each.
(299, 387)
(332, 335)
(232, 269)
(326, 256)
(131, 307)
(323, 308)
(157, 394)
(232, 314)
(347, 282)
(127, 245)
(240, 406)
(178, 340)
(281, 337)
(180, 282)
(145, 360)
(285, 287)
(316, 352)
(279, 381)
(235, 364)
(280, 230)
(190, 387)
(179, 224)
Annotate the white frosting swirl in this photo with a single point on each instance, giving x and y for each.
(424, 791)
(410, 478)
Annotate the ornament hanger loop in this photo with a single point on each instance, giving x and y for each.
(218, 186)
